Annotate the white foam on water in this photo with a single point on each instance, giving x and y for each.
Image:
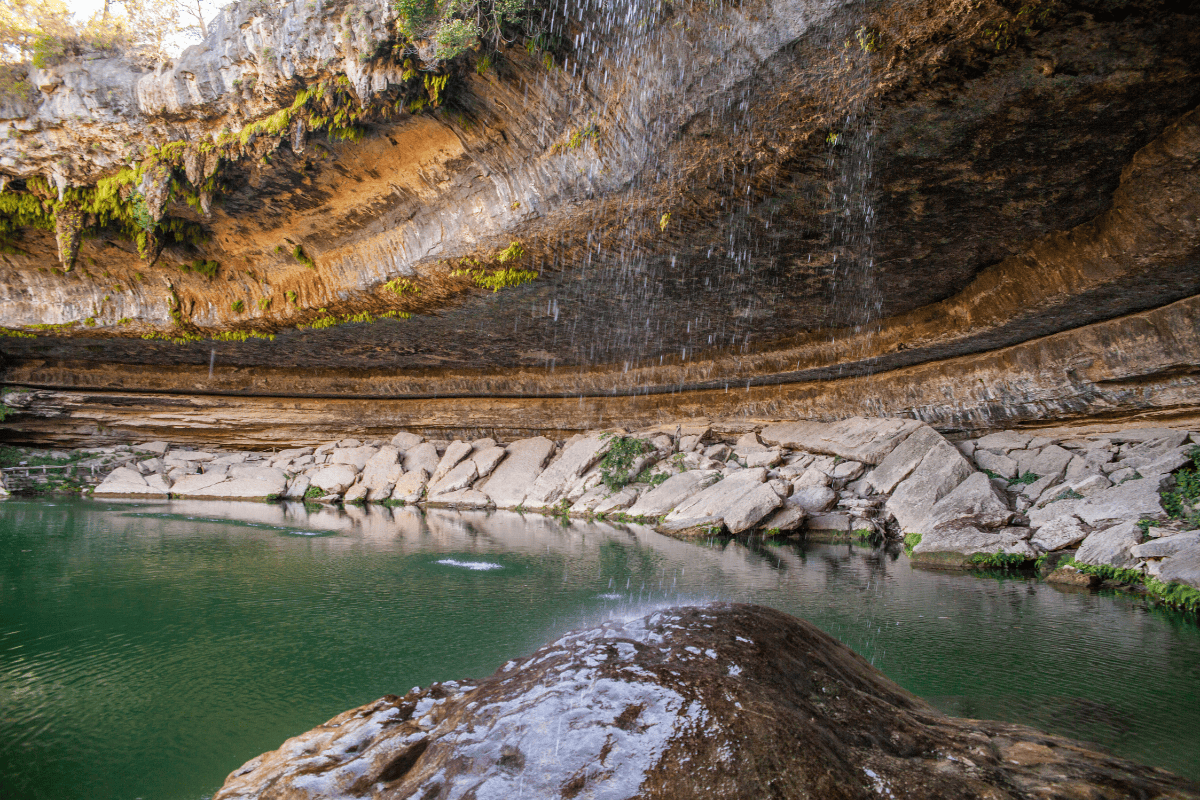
(479, 566)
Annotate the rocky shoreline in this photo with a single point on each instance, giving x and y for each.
(1083, 507)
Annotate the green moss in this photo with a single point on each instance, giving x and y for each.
(238, 306)
(314, 492)
(911, 540)
(1023, 480)
(264, 303)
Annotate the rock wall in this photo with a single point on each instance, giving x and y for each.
(810, 194)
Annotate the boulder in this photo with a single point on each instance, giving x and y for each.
(975, 501)
(405, 441)
(1089, 462)
(356, 494)
(381, 472)
(335, 479)
(523, 463)
(847, 471)
(1112, 546)
(463, 498)
(713, 702)
(751, 508)
(854, 439)
(456, 451)
(942, 469)
(460, 477)
(718, 498)
(812, 476)
(1132, 499)
(672, 492)
(197, 485)
(905, 458)
(814, 499)
(158, 448)
(576, 458)
(124, 481)
(297, 487)
(747, 444)
(1166, 546)
(486, 459)
(954, 545)
(1003, 442)
(836, 522)
(998, 463)
(158, 483)
(617, 501)
(1059, 534)
(410, 488)
(1182, 567)
(788, 518)
(354, 456)
(422, 456)
(764, 458)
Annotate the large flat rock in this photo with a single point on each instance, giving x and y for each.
(511, 479)
(671, 492)
(941, 469)
(1132, 499)
(903, 459)
(1111, 546)
(554, 481)
(854, 439)
(708, 703)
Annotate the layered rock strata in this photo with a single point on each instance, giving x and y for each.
(712, 702)
(1027, 183)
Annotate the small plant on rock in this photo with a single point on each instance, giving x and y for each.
(616, 464)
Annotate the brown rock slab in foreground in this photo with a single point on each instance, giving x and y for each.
(722, 701)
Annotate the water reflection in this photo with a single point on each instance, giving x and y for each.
(148, 648)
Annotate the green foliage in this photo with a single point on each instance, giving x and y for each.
(238, 306)
(1040, 561)
(1110, 573)
(514, 252)
(911, 540)
(314, 492)
(862, 533)
(1174, 594)
(622, 451)
(206, 268)
(998, 560)
(654, 479)
(455, 26)
(242, 336)
(483, 65)
(299, 254)
(1022, 480)
(1183, 502)
(291, 297)
(402, 286)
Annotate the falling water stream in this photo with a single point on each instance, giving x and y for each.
(147, 649)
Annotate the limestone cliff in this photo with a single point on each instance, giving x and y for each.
(764, 196)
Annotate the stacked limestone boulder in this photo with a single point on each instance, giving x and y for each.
(1009, 494)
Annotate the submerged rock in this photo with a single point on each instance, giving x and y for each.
(721, 701)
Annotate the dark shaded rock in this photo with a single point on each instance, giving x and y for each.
(724, 701)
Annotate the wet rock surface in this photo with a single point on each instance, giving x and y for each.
(718, 701)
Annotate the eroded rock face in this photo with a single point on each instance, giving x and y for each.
(1027, 189)
(712, 702)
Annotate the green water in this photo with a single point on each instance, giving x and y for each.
(146, 650)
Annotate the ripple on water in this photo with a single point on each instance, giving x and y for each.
(477, 566)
